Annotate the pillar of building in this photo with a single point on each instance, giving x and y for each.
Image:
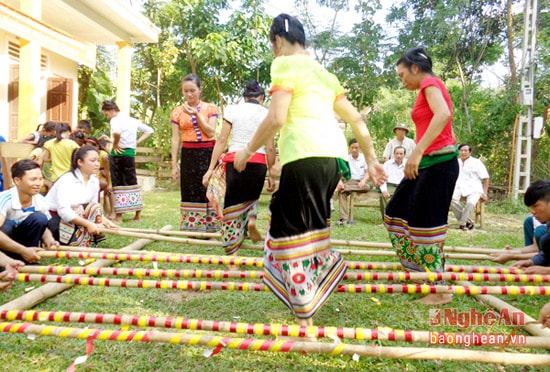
(123, 83)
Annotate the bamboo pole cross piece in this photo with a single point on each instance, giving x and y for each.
(335, 348)
(258, 329)
(38, 295)
(251, 274)
(461, 253)
(334, 242)
(259, 287)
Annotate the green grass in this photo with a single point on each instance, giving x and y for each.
(399, 311)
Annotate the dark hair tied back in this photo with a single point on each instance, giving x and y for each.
(253, 89)
(419, 57)
(287, 27)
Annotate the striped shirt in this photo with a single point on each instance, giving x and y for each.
(11, 209)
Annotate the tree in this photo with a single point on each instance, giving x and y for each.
(461, 35)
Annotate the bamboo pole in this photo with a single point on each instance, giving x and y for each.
(44, 292)
(336, 242)
(196, 234)
(394, 266)
(158, 257)
(531, 325)
(248, 261)
(251, 274)
(172, 257)
(258, 329)
(260, 287)
(336, 348)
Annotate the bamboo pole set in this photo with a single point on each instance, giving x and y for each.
(336, 348)
(260, 287)
(462, 253)
(51, 289)
(136, 232)
(252, 274)
(97, 253)
(258, 329)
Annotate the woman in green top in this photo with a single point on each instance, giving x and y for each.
(300, 266)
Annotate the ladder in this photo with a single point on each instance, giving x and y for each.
(524, 124)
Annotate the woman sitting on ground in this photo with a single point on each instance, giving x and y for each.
(76, 214)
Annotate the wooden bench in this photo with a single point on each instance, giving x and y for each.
(369, 199)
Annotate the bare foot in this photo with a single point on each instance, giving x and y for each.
(253, 232)
(137, 217)
(436, 299)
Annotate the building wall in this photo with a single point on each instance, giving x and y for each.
(53, 65)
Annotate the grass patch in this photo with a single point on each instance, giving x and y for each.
(399, 311)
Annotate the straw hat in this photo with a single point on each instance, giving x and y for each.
(401, 126)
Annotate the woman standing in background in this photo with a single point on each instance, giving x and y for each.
(124, 130)
(193, 129)
(243, 189)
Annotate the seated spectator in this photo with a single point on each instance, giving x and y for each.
(73, 200)
(84, 126)
(43, 133)
(395, 168)
(533, 230)
(357, 183)
(537, 198)
(400, 130)
(24, 214)
(59, 151)
(472, 184)
(79, 137)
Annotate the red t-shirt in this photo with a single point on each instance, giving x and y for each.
(422, 115)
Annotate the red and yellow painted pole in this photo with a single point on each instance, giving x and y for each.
(251, 274)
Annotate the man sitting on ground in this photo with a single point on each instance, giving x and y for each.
(537, 198)
(24, 214)
(533, 230)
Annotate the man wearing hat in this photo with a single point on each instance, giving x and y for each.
(401, 139)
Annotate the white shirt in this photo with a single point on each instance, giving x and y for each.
(11, 209)
(472, 172)
(69, 191)
(395, 173)
(408, 144)
(244, 119)
(358, 167)
(128, 127)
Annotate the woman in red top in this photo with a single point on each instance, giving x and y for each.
(416, 216)
(193, 129)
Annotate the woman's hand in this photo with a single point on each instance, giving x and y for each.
(411, 168)
(175, 173)
(241, 157)
(271, 184)
(206, 177)
(377, 173)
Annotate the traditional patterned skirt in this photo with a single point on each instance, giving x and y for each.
(416, 217)
(300, 267)
(75, 235)
(241, 202)
(196, 212)
(126, 191)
